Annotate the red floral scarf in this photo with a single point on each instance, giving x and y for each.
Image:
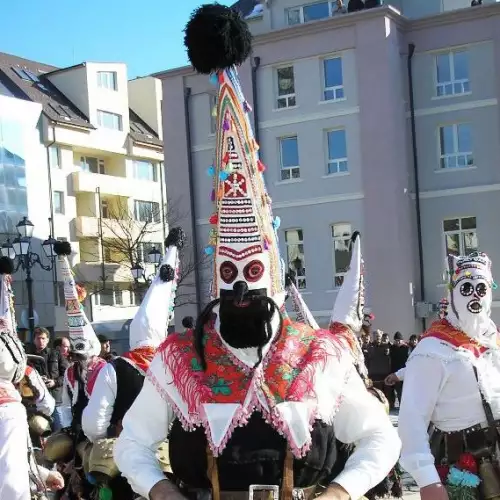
(140, 358)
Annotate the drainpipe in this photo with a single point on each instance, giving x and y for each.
(187, 95)
(255, 95)
(411, 51)
(51, 219)
(161, 166)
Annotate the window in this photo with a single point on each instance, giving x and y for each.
(337, 152)
(213, 113)
(452, 73)
(460, 236)
(314, 12)
(286, 87)
(145, 170)
(54, 157)
(294, 239)
(58, 202)
(112, 297)
(59, 294)
(289, 158)
(104, 209)
(144, 247)
(341, 237)
(147, 211)
(332, 79)
(107, 80)
(109, 120)
(93, 165)
(455, 143)
(107, 254)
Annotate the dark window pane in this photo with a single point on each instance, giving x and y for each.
(316, 11)
(333, 72)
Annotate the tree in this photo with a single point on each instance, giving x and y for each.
(125, 238)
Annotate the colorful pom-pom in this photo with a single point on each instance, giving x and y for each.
(209, 250)
(276, 222)
(214, 79)
(221, 77)
(212, 195)
(225, 159)
(214, 112)
(223, 175)
(261, 167)
(225, 125)
(211, 171)
(214, 219)
(247, 107)
(494, 286)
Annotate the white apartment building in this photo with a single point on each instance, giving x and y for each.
(98, 180)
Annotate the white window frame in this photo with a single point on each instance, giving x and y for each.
(154, 215)
(107, 80)
(444, 158)
(144, 247)
(290, 100)
(60, 196)
(301, 280)
(336, 161)
(460, 232)
(101, 114)
(104, 209)
(293, 168)
(300, 9)
(55, 152)
(116, 292)
(100, 165)
(338, 278)
(462, 82)
(337, 88)
(154, 170)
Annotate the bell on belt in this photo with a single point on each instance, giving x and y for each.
(490, 483)
(101, 463)
(39, 425)
(163, 457)
(58, 447)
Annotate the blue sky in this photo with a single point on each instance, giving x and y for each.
(146, 35)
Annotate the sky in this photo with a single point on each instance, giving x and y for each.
(146, 35)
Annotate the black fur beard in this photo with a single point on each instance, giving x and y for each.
(241, 327)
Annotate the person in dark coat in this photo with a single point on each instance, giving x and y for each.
(399, 356)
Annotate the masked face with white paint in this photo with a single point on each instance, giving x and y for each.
(470, 295)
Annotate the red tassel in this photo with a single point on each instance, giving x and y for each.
(214, 219)
(261, 166)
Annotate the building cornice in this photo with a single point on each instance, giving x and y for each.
(336, 22)
(455, 16)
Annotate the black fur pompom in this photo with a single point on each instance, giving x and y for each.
(62, 248)
(355, 236)
(167, 273)
(216, 38)
(176, 237)
(6, 265)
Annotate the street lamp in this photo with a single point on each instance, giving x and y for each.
(137, 272)
(20, 249)
(154, 256)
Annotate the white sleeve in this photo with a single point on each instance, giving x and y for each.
(145, 427)
(97, 414)
(424, 377)
(66, 413)
(45, 403)
(363, 421)
(401, 373)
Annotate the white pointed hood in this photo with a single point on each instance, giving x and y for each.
(149, 327)
(12, 356)
(303, 314)
(82, 336)
(350, 302)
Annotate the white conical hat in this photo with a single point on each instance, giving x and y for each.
(350, 302)
(150, 325)
(82, 336)
(12, 356)
(303, 314)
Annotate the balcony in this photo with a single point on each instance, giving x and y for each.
(86, 182)
(88, 227)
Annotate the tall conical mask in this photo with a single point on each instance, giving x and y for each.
(149, 327)
(350, 301)
(243, 239)
(12, 355)
(82, 337)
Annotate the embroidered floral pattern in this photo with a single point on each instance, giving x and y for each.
(140, 358)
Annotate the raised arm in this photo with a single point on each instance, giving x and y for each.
(44, 403)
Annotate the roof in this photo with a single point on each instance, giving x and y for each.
(25, 79)
(245, 7)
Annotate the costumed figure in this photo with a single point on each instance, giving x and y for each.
(121, 380)
(254, 402)
(79, 380)
(347, 320)
(20, 477)
(450, 410)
